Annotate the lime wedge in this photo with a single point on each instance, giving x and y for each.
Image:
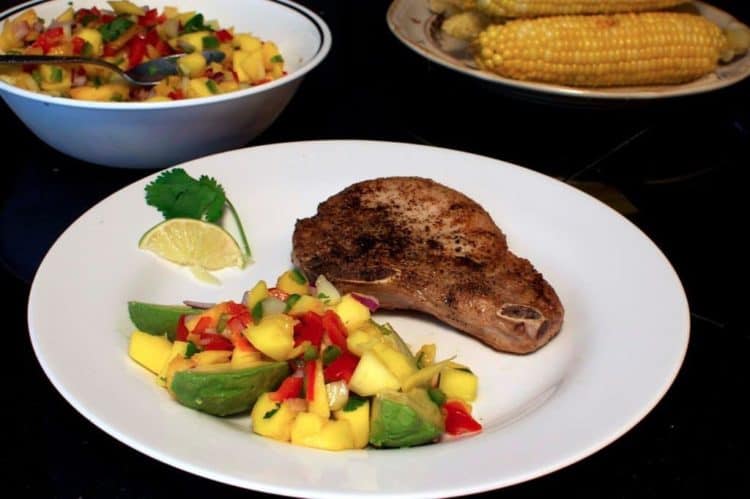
(194, 243)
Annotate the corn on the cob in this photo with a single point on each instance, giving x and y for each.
(534, 8)
(594, 51)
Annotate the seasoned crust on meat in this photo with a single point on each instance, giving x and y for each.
(419, 245)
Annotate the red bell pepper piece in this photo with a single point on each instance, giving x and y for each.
(223, 35)
(458, 420)
(237, 326)
(50, 38)
(310, 380)
(277, 293)
(151, 18)
(109, 50)
(77, 44)
(213, 341)
(290, 388)
(336, 330)
(181, 334)
(203, 324)
(309, 328)
(234, 308)
(136, 50)
(176, 94)
(341, 368)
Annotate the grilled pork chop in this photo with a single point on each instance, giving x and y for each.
(418, 245)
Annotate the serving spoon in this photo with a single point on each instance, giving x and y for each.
(146, 74)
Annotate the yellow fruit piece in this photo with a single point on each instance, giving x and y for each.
(103, 93)
(242, 359)
(67, 16)
(272, 419)
(192, 64)
(210, 357)
(359, 341)
(395, 361)
(176, 365)
(372, 376)
(459, 384)
(149, 350)
(425, 376)
(426, 355)
(311, 430)
(186, 241)
(273, 335)
(319, 404)
(179, 348)
(252, 66)
(246, 42)
(293, 282)
(126, 7)
(359, 420)
(94, 38)
(194, 40)
(307, 303)
(257, 294)
(352, 313)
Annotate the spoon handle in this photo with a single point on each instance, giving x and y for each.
(60, 59)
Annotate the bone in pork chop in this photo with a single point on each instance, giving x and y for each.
(418, 245)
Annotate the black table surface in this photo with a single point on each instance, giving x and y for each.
(673, 167)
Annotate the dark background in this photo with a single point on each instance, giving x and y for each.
(673, 167)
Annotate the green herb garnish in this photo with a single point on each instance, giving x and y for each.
(330, 354)
(191, 350)
(37, 76)
(437, 395)
(176, 194)
(311, 353)
(87, 50)
(293, 298)
(57, 75)
(277, 58)
(354, 402)
(210, 42)
(116, 97)
(298, 276)
(212, 87)
(273, 411)
(195, 23)
(257, 312)
(324, 297)
(114, 30)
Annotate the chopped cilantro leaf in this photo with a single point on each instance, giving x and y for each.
(176, 194)
(273, 411)
(354, 402)
(293, 298)
(437, 396)
(210, 42)
(257, 312)
(311, 353)
(114, 29)
(191, 350)
(277, 58)
(195, 23)
(298, 276)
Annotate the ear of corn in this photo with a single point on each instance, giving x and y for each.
(533, 8)
(595, 51)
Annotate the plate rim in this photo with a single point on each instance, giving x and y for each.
(615, 94)
(246, 482)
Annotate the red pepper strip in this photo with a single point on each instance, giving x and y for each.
(335, 329)
(136, 50)
(309, 328)
(458, 420)
(310, 380)
(213, 341)
(77, 44)
(223, 35)
(109, 50)
(151, 18)
(237, 327)
(342, 367)
(234, 308)
(107, 18)
(289, 389)
(277, 293)
(49, 39)
(176, 95)
(203, 324)
(182, 332)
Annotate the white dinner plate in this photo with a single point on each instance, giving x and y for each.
(624, 338)
(412, 22)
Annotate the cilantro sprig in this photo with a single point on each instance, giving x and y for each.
(178, 195)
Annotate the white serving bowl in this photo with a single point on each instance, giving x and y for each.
(160, 134)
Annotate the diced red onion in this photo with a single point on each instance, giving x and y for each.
(203, 305)
(368, 301)
(273, 305)
(79, 80)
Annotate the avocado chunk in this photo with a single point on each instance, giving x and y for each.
(158, 319)
(223, 393)
(404, 419)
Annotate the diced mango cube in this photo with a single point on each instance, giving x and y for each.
(94, 38)
(246, 42)
(307, 303)
(192, 65)
(312, 430)
(150, 351)
(209, 357)
(273, 335)
(352, 313)
(372, 376)
(459, 383)
(319, 404)
(395, 361)
(359, 420)
(272, 419)
(293, 282)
